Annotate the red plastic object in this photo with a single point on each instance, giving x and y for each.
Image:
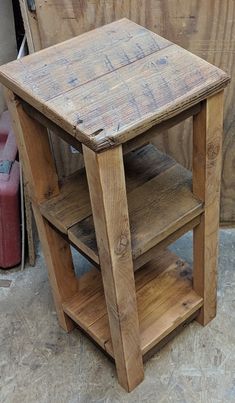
(10, 239)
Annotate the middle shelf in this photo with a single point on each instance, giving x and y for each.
(160, 203)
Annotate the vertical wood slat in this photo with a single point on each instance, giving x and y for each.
(31, 27)
(106, 181)
(207, 157)
(60, 268)
(42, 182)
(33, 144)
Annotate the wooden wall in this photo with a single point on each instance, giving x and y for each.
(207, 28)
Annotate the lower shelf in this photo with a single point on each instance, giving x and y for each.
(165, 300)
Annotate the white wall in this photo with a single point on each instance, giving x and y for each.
(8, 50)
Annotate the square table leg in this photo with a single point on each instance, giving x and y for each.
(42, 182)
(106, 181)
(207, 157)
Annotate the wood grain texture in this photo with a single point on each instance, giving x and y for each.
(106, 181)
(156, 210)
(165, 299)
(160, 201)
(73, 203)
(31, 27)
(34, 148)
(187, 23)
(207, 157)
(135, 80)
(57, 253)
(39, 171)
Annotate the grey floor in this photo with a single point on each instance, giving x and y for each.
(39, 362)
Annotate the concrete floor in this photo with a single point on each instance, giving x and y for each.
(39, 362)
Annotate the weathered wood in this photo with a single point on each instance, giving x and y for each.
(137, 82)
(157, 209)
(160, 201)
(169, 337)
(31, 27)
(39, 171)
(57, 130)
(207, 155)
(31, 228)
(151, 134)
(60, 268)
(106, 180)
(156, 250)
(33, 144)
(164, 296)
(66, 209)
(187, 23)
(131, 145)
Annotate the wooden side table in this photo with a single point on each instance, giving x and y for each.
(108, 93)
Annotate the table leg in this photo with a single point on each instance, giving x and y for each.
(207, 156)
(42, 183)
(106, 181)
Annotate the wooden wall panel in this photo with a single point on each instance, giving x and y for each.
(207, 28)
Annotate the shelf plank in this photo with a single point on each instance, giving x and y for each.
(160, 202)
(156, 209)
(73, 202)
(165, 300)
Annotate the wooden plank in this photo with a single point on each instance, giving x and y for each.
(169, 337)
(71, 204)
(151, 134)
(60, 268)
(164, 296)
(39, 171)
(66, 209)
(36, 157)
(207, 155)
(127, 147)
(157, 209)
(137, 97)
(106, 181)
(31, 27)
(64, 67)
(153, 252)
(153, 180)
(39, 117)
(31, 228)
(136, 83)
(90, 251)
(186, 23)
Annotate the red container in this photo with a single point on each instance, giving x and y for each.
(10, 240)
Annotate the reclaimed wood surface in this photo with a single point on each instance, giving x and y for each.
(37, 161)
(72, 204)
(187, 23)
(160, 202)
(111, 84)
(42, 182)
(165, 299)
(31, 27)
(156, 209)
(106, 181)
(207, 157)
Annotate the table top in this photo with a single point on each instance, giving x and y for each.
(111, 84)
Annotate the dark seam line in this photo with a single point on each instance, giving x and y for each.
(105, 74)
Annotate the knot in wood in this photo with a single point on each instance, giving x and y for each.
(213, 150)
(122, 245)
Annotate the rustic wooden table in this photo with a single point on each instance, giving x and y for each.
(108, 92)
